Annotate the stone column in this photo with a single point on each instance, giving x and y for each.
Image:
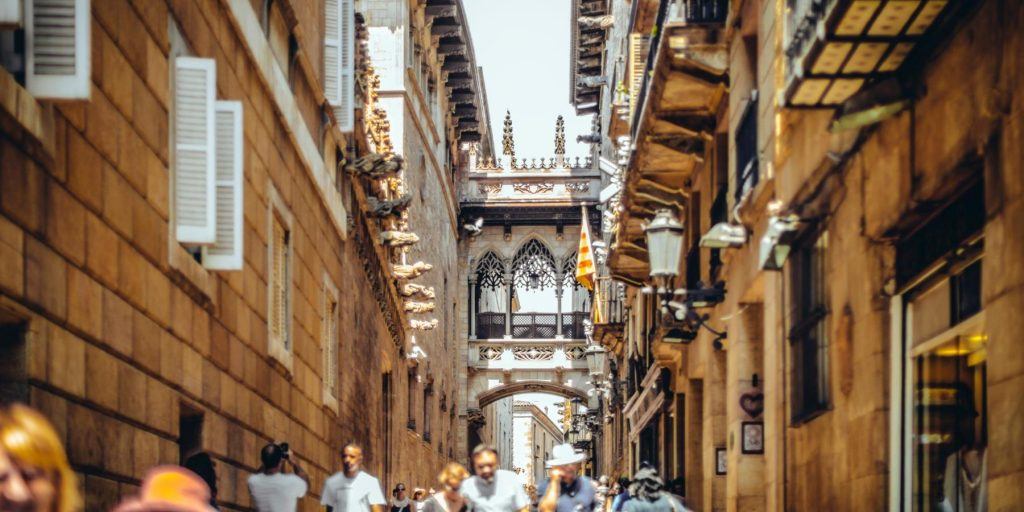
(508, 295)
(472, 307)
(559, 290)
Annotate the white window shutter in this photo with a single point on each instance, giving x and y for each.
(10, 14)
(194, 144)
(345, 109)
(57, 49)
(332, 51)
(226, 251)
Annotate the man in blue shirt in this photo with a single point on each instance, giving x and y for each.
(566, 490)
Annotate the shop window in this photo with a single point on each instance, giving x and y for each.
(809, 333)
(946, 344)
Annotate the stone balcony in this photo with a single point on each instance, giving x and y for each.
(551, 181)
(528, 355)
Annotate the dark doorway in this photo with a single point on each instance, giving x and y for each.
(190, 432)
(13, 367)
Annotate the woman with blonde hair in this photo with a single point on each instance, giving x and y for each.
(448, 499)
(34, 470)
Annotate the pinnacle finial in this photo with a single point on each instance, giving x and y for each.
(560, 136)
(508, 146)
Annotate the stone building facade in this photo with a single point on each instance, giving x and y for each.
(534, 436)
(867, 231)
(143, 349)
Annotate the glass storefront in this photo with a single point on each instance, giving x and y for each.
(945, 418)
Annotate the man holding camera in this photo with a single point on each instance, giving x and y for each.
(272, 489)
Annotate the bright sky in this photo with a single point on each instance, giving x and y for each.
(523, 46)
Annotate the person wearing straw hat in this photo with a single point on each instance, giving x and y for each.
(566, 490)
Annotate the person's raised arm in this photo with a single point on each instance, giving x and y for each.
(549, 502)
(299, 472)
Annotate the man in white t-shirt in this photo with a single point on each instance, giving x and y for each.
(272, 489)
(492, 489)
(352, 490)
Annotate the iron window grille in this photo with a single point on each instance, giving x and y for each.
(808, 335)
(747, 172)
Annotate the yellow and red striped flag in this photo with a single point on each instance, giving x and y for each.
(585, 256)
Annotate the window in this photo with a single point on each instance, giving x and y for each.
(329, 344)
(940, 375)
(190, 431)
(428, 395)
(279, 308)
(51, 53)
(746, 149)
(339, 60)
(410, 392)
(809, 333)
(207, 164)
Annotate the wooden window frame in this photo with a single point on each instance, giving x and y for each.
(330, 339)
(277, 211)
(809, 313)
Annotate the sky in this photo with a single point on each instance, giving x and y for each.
(523, 47)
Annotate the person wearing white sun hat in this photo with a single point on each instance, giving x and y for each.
(566, 490)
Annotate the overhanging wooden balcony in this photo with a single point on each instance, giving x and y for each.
(674, 124)
(836, 47)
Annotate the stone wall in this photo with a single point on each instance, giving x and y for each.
(122, 339)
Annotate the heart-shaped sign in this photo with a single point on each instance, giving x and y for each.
(752, 403)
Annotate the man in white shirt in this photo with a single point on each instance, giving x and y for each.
(352, 490)
(272, 489)
(492, 489)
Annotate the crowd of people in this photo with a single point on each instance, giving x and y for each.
(35, 476)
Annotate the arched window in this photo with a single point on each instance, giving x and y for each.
(490, 271)
(533, 267)
(491, 297)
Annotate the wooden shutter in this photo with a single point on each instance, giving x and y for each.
(639, 46)
(226, 251)
(194, 145)
(344, 110)
(57, 49)
(278, 313)
(332, 51)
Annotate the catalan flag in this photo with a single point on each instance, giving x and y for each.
(585, 256)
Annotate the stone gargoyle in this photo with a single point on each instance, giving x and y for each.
(412, 271)
(410, 289)
(423, 325)
(413, 306)
(375, 166)
(384, 208)
(399, 238)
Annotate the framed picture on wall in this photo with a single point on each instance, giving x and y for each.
(720, 460)
(752, 434)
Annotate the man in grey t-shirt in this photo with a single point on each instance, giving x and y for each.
(492, 489)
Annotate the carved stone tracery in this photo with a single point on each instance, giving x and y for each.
(533, 187)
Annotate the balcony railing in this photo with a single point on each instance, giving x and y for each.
(572, 325)
(696, 12)
(531, 325)
(490, 325)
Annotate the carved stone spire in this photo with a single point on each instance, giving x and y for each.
(508, 146)
(560, 136)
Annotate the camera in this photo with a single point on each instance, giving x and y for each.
(284, 449)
